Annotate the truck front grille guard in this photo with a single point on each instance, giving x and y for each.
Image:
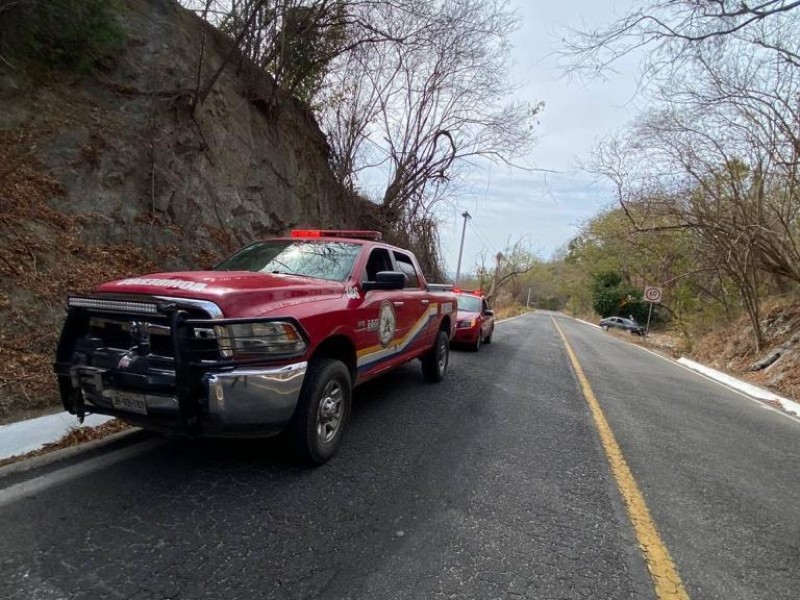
(188, 406)
(80, 310)
(190, 362)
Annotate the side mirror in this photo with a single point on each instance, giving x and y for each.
(488, 313)
(385, 280)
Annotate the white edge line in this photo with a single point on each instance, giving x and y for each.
(512, 318)
(757, 400)
(587, 323)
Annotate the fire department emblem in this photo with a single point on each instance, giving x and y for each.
(387, 324)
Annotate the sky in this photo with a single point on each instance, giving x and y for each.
(546, 209)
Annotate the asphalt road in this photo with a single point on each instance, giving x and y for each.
(492, 484)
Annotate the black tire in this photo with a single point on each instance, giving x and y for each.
(323, 410)
(435, 360)
(488, 339)
(477, 344)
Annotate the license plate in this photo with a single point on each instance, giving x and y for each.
(129, 402)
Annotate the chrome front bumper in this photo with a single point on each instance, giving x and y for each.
(239, 403)
(254, 398)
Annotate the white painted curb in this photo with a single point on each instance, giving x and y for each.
(26, 436)
(595, 325)
(790, 406)
(43, 460)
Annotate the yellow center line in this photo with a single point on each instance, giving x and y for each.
(667, 581)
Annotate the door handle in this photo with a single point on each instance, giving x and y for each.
(425, 301)
(398, 304)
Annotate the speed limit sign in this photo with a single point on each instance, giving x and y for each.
(652, 294)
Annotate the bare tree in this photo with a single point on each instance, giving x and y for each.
(295, 40)
(412, 113)
(671, 31)
(719, 154)
(688, 174)
(514, 261)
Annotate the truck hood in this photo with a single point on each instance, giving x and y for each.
(237, 293)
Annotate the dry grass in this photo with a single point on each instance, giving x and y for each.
(731, 349)
(44, 256)
(508, 310)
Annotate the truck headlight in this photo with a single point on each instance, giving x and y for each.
(259, 339)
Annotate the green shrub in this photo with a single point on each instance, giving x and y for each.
(63, 35)
(612, 296)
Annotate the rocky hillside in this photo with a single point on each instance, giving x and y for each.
(111, 174)
(777, 366)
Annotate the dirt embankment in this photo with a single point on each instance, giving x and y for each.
(776, 366)
(111, 175)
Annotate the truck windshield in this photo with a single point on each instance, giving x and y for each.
(323, 260)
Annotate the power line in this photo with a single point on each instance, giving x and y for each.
(482, 239)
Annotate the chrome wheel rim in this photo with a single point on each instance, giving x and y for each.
(330, 412)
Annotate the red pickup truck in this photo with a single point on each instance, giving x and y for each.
(273, 338)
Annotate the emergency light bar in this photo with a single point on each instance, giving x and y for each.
(110, 305)
(339, 233)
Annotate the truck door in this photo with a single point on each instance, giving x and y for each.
(380, 320)
(413, 305)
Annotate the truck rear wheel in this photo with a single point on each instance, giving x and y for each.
(435, 360)
(323, 410)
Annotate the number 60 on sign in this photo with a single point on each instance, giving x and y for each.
(652, 294)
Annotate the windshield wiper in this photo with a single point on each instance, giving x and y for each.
(288, 271)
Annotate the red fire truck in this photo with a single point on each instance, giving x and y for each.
(273, 338)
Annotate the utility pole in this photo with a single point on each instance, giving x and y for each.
(528, 303)
(466, 216)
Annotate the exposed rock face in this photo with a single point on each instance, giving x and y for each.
(237, 165)
(113, 175)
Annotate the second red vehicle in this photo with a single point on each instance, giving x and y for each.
(475, 320)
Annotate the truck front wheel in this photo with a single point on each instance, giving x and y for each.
(323, 410)
(435, 360)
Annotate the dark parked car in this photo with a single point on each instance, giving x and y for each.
(622, 323)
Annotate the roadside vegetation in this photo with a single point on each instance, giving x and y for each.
(706, 182)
